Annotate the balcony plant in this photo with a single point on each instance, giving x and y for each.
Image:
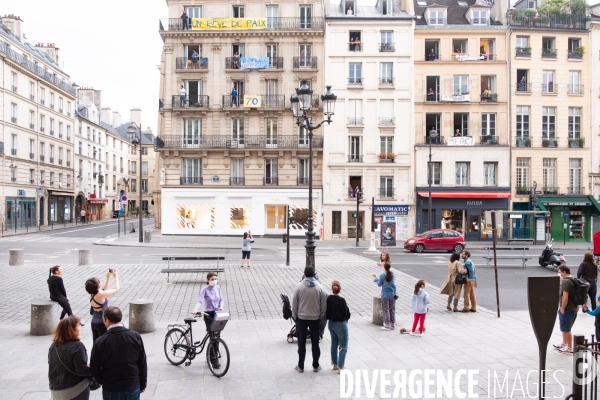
(577, 142)
(524, 51)
(548, 142)
(387, 157)
(579, 51)
(522, 189)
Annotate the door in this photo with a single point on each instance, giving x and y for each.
(276, 218)
(574, 82)
(352, 224)
(239, 86)
(237, 131)
(194, 91)
(302, 137)
(271, 171)
(305, 17)
(272, 54)
(305, 55)
(474, 227)
(272, 21)
(435, 240)
(191, 132)
(271, 132)
(548, 81)
(239, 49)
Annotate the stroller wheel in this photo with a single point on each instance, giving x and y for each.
(290, 339)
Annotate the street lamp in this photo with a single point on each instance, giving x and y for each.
(135, 140)
(301, 103)
(432, 134)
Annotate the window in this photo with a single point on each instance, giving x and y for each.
(270, 171)
(13, 174)
(387, 74)
(522, 42)
(436, 17)
(302, 137)
(60, 129)
(51, 126)
(133, 185)
(194, 12)
(479, 17)
(305, 60)
(60, 104)
(144, 151)
(31, 119)
(489, 173)
(272, 13)
(80, 148)
(549, 175)
(488, 124)
(574, 86)
(42, 175)
(237, 130)
(42, 95)
(13, 144)
(573, 44)
(574, 175)
(271, 130)
(68, 108)
(574, 122)
(43, 123)
(31, 90)
(237, 169)
(355, 112)
(144, 186)
(272, 54)
(548, 81)
(355, 148)
(89, 135)
(461, 84)
(488, 88)
(42, 147)
(192, 132)
(386, 112)
(462, 174)
(386, 41)
(386, 144)
(548, 122)
(436, 170)
(336, 222)
(460, 46)
(303, 171)
(68, 132)
(355, 73)
(68, 180)
(305, 17)
(13, 113)
(522, 173)
(238, 11)
(32, 176)
(14, 82)
(522, 122)
(31, 148)
(461, 124)
(51, 100)
(355, 41)
(386, 7)
(386, 186)
(133, 167)
(144, 167)
(51, 178)
(68, 157)
(191, 170)
(487, 48)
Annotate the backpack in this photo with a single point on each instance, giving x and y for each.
(579, 296)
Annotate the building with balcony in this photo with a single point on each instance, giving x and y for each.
(550, 122)
(37, 120)
(461, 111)
(368, 146)
(230, 152)
(594, 85)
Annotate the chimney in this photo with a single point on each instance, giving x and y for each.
(88, 95)
(136, 116)
(116, 119)
(50, 49)
(13, 24)
(105, 115)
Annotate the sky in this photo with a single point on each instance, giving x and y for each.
(110, 45)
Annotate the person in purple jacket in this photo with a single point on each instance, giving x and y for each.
(210, 296)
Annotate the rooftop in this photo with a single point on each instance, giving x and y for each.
(456, 13)
(336, 11)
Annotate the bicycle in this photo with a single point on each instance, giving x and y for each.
(180, 346)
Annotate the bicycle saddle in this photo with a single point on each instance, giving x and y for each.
(189, 320)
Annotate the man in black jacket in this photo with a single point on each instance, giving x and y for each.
(118, 359)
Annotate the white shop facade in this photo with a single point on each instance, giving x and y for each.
(231, 212)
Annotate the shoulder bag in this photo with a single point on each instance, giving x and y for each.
(460, 279)
(94, 385)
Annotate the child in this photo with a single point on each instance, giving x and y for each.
(210, 295)
(419, 299)
(387, 282)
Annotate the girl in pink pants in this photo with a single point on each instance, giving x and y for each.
(420, 300)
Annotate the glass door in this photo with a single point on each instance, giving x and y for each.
(191, 133)
(474, 227)
(305, 17)
(272, 54)
(305, 55)
(272, 21)
(194, 91)
(275, 218)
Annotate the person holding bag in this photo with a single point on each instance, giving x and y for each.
(454, 281)
(387, 282)
(68, 371)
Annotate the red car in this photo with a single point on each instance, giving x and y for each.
(437, 239)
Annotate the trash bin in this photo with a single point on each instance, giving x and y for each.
(147, 236)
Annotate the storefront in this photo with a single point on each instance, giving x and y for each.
(20, 211)
(232, 212)
(59, 206)
(460, 210)
(570, 217)
(392, 223)
(96, 208)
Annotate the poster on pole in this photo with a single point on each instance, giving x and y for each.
(388, 231)
(540, 225)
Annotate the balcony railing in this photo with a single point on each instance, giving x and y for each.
(384, 47)
(386, 193)
(575, 56)
(576, 190)
(546, 21)
(31, 156)
(302, 181)
(386, 81)
(575, 89)
(36, 69)
(305, 63)
(432, 57)
(355, 120)
(489, 98)
(358, 82)
(13, 152)
(68, 163)
(13, 120)
(198, 101)
(548, 53)
(232, 101)
(522, 141)
(42, 157)
(246, 142)
(387, 121)
(549, 142)
(42, 129)
(236, 181)
(551, 190)
(270, 180)
(432, 98)
(186, 63)
(31, 126)
(31, 181)
(354, 158)
(523, 87)
(60, 161)
(576, 142)
(235, 63)
(489, 140)
(549, 88)
(523, 190)
(434, 140)
(523, 52)
(271, 23)
(187, 180)
(355, 46)
(51, 160)
(52, 133)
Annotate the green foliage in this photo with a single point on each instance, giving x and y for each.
(579, 50)
(579, 7)
(561, 7)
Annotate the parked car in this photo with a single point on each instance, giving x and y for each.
(436, 239)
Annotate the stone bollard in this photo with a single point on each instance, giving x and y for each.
(141, 316)
(131, 227)
(377, 311)
(85, 257)
(16, 258)
(44, 317)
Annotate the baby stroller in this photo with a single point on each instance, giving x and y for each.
(287, 314)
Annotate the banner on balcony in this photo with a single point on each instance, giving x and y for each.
(461, 141)
(252, 101)
(228, 23)
(254, 62)
(457, 97)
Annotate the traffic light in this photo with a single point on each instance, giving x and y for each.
(354, 215)
(285, 238)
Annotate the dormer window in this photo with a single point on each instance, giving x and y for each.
(436, 17)
(479, 17)
(532, 4)
(385, 7)
(349, 7)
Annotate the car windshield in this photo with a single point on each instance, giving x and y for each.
(423, 234)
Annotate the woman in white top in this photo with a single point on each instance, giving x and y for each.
(182, 95)
(246, 248)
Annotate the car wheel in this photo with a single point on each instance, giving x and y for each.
(458, 248)
(419, 248)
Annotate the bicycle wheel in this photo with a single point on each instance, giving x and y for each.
(176, 355)
(219, 348)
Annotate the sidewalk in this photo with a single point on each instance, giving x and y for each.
(53, 227)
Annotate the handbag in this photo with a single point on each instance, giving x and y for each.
(94, 385)
(460, 280)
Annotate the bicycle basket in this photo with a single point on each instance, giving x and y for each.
(219, 321)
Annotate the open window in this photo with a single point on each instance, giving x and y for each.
(460, 46)
(433, 123)
(523, 81)
(354, 182)
(461, 124)
(348, 7)
(432, 86)
(355, 41)
(487, 48)
(194, 92)
(488, 88)
(385, 7)
(192, 57)
(238, 49)
(432, 50)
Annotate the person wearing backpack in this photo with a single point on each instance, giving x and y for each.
(588, 270)
(573, 293)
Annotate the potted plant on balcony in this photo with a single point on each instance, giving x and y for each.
(549, 142)
(577, 142)
(549, 53)
(521, 189)
(391, 156)
(577, 52)
(523, 51)
(523, 142)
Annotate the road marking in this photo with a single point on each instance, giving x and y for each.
(83, 229)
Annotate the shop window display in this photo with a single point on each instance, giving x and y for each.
(453, 219)
(240, 217)
(577, 225)
(194, 216)
(486, 228)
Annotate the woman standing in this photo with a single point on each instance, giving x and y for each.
(57, 290)
(99, 300)
(68, 368)
(588, 270)
(384, 258)
(450, 285)
(210, 296)
(338, 315)
(246, 247)
(419, 300)
(387, 282)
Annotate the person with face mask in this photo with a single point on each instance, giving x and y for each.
(210, 296)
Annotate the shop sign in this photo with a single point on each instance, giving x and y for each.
(391, 210)
(475, 203)
(461, 141)
(516, 216)
(21, 192)
(40, 191)
(565, 214)
(566, 203)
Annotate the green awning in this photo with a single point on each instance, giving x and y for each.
(540, 205)
(570, 201)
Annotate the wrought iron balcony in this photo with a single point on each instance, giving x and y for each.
(489, 140)
(52, 133)
(13, 120)
(60, 161)
(386, 81)
(42, 101)
(355, 46)
(31, 156)
(13, 152)
(245, 142)
(434, 140)
(356, 82)
(355, 120)
(186, 63)
(31, 97)
(355, 158)
(576, 190)
(523, 87)
(42, 157)
(51, 160)
(432, 98)
(551, 190)
(523, 52)
(527, 19)
(31, 126)
(386, 193)
(549, 142)
(575, 89)
(31, 181)
(302, 181)
(523, 190)
(13, 179)
(384, 47)
(68, 163)
(270, 180)
(523, 141)
(266, 101)
(575, 55)
(489, 98)
(198, 101)
(550, 88)
(548, 53)
(576, 142)
(387, 121)
(270, 23)
(237, 181)
(305, 63)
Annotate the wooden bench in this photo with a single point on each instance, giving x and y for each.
(523, 257)
(170, 270)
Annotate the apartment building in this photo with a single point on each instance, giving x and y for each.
(232, 154)
(550, 117)
(37, 118)
(594, 92)
(368, 146)
(461, 115)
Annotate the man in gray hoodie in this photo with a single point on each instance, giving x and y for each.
(309, 304)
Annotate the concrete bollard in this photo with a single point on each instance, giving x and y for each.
(16, 257)
(141, 316)
(44, 317)
(85, 257)
(131, 227)
(377, 311)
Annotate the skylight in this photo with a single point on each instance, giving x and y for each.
(462, 3)
(421, 2)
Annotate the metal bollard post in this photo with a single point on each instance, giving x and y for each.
(27, 225)
(578, 344)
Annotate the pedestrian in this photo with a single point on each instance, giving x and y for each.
(82, 215)
(387, 282)
(432, 56)
(596, 313)
(309, 304)
(99, 300)
(419, 299)
(184, 20)
(57, 290)
(567, 313)
(210, 296)
(470, 301)
(338, 315)
(68, 369)
(118, 359)
(588, 270)
(456, 278)
(522, 85)
(234, 97)
(246, 247)
(384, 257)
(182, 94)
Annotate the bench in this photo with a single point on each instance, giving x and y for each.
(523, 257)
(520, 240)
(170, 271)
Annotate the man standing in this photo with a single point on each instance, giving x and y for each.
(184, 20)
(567, 313)
(82, 214)
(309, 304)
(234, 96)
(118, 359)
(470, 302)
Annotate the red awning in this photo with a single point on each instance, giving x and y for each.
(97, 201)
(466, 195)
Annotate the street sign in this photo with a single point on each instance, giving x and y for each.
(566, 214)
(516, 216)
(538, 192)
(216, 179)
(117, 206)
(124, 198)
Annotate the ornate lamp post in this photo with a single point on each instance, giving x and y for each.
(135, 140)
(432, 134)
(301, 104)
